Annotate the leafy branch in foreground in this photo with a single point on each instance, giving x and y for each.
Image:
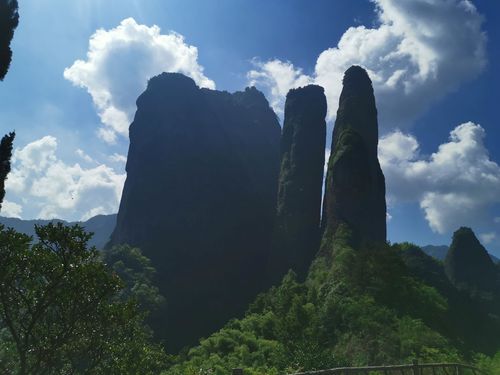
(60, 312)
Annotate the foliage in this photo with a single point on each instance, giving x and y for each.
(59, 311)
(6, 145)
(357, 307)
(9, 19)
(137, 273)
(489, 365)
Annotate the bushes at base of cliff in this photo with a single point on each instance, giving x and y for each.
(357, 307)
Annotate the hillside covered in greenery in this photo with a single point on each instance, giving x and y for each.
(230, 254)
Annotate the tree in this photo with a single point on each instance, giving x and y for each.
(137, 273)
(9, 19)
(5, 154)
(60, 312)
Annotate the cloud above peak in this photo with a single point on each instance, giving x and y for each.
(420, 51)
(119, 63)
(455, 186)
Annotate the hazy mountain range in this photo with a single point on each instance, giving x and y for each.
(100, 225)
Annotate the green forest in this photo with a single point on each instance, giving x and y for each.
(257, 258)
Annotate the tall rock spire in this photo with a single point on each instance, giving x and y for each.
(355, 184)
(297, 226)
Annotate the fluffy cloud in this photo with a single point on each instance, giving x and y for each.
(277, 78)
(119, 63)
(454, 186)
(421, 50)
(84, 156)
(11, 209)
(118, 158)
(487, 238)
(40, 181)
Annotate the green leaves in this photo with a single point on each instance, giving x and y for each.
(59, 310)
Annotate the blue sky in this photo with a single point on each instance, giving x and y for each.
(432, 62)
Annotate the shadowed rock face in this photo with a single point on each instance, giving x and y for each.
(468, 265)
(199, 200)
(297, 228)
(355, 184)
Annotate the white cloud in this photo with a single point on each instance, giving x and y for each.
(11, 209)
(118, 158)
(57, 190)
(277, 78)
(119, 63)
(84, 156)
(454, 186)
(420, 51)
(487, 238)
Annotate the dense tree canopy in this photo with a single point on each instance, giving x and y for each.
(61, 311)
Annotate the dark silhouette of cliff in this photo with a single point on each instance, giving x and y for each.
(199, 200)
(469, 322)
(9, 19)
(297, 227)
(439, 252)
(355, 184)
(468, 265)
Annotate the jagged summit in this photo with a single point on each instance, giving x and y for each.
(355, 184)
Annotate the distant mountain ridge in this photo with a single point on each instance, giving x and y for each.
(439, 252)
(100, 225)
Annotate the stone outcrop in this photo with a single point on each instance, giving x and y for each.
(468, 265)
(199, 200)
(355, 184)
(297, 226)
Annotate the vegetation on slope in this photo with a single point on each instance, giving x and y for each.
(63, 312)
(357, 307)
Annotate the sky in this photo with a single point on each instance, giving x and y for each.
(78, 67)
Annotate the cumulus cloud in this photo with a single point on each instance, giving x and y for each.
(40, 180)
(118, 158)
(11, 209)
(86, 157)
(455, 186)
(487, 238)
(277, 78)
(119, 63)
(419, 51)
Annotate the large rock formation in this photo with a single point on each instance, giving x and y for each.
(297, 227)
(355, 184)
(199, 200)
(468, 265)
(467, 320)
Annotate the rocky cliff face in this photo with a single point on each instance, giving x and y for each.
(467, 320)
(355, 184)
(199, 200)
(297, 227)
(468, 265)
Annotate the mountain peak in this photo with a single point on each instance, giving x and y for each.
(468, 264)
